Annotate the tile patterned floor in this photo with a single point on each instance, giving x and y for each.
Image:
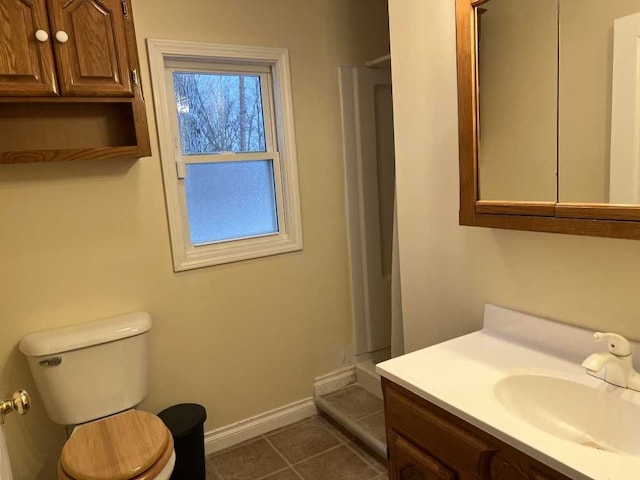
(364, 408)
(313, 449)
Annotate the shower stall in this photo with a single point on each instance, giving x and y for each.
(369, 173)
(369, 165)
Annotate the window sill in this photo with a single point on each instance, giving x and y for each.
(235, 251)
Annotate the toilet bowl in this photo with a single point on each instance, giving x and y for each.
(133, 445)
(93, 375)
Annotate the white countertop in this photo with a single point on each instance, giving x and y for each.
(459, 376)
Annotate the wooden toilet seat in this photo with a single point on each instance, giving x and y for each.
(134, 445)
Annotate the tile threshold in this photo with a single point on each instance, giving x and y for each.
(352, 426)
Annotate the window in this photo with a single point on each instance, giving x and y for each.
(225, 124)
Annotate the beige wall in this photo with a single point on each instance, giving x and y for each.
(86, 240)
(448, 271)
(518, 144)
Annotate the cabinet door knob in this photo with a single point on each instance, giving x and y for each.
(62, 36)
(42, 36)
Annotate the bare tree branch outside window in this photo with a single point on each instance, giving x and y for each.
(219, 113)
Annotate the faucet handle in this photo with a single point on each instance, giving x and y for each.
(618, 345)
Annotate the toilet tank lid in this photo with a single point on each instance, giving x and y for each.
(87, 334)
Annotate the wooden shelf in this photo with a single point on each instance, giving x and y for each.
(58, 99)
(106, 153)
(53, 131)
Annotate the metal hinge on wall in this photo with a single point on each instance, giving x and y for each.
(125, 9)
(134, 76)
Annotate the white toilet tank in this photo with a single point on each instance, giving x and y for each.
(91, 370)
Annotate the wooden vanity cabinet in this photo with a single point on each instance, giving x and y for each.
(428, 443)
(69, 81)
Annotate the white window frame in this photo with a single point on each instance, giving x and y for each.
(272, 64)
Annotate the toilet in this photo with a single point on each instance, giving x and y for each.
(91, 376)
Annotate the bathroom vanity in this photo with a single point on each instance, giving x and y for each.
(509, 402)
(422, 437)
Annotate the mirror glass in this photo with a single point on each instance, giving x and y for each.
(559, 113)
(517, 55)
(599, 135)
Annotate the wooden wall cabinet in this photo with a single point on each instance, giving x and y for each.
(427, 443)
(69, 81)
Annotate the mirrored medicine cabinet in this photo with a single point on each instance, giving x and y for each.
(549, 115)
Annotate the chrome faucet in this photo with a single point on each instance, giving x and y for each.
(617, 363)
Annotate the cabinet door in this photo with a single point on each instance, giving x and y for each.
(26, 64)
(515, 465)
(91, 47)
(408, 462)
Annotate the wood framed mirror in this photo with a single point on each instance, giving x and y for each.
(549, 115)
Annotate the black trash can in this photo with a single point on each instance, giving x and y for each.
(186, 423)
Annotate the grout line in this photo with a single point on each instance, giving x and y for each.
(349, 389)
(272, 473)
(359, 417)
(318, 454)
(353, 425)
(369, 430)
(277, 451)
(371, 415)
(381, 409)
(293, 469)
(342, 390)
(376, 473)
(342, 439)
(334, 431)
(289, 465)
(373, 462)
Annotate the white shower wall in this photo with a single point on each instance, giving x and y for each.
(367, 114)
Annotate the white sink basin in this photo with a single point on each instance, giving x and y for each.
(520, 380)
(585, 415)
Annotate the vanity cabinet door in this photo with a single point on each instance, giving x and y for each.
(428, 443)
(90, 44)
(513, 465)
(26, 59)
(441, 434)
(409, 462)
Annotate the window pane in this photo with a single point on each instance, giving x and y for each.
(230, 200)
(219, 112)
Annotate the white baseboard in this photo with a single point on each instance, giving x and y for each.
(230, 435)
(334, 381)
